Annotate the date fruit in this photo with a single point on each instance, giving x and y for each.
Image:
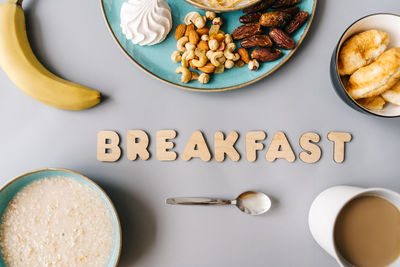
(282, 39)
(275, 19)
(291, 10)
(264, 5)
(256, 40)
(246, 30)
(284, 3)
(250, 18)
(266, 54)
(296, 22)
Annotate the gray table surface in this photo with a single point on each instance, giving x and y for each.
(71, 38)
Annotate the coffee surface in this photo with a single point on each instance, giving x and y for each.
(367, 232)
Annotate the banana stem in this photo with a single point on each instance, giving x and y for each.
(18, 2)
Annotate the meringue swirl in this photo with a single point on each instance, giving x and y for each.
(146, 22)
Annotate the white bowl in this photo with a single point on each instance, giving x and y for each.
(389, 23)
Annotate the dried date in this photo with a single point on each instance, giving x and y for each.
(275, 19)
(291, 10)
(246, 30)
(285, 3)
(266, 54)
(282, 39)
(264, 5)
(250, 18)
(256, 41)
(296, 22)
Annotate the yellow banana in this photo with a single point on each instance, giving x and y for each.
(22, 67)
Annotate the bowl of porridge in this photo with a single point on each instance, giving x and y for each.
(57, 217)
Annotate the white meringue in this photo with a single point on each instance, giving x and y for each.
(146, 22)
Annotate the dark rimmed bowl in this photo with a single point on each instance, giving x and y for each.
(387, 22)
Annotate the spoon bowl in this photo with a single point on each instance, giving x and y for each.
(250, 202)
(253, 203)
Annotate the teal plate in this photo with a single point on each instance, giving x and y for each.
(156, 59)
(15, 185)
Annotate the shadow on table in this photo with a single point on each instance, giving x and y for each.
(315, 26)
(137, 222)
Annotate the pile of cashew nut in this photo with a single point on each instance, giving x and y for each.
(208, 50)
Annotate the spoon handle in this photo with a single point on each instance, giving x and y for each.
(197, 201)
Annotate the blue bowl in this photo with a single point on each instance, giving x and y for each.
(14, 186)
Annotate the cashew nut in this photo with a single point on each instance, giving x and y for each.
(186, 74)
(201, 54)
(199, 22)
(221, 60)
(228, 38)
(190, 46)
(191, 17)
(229, 64)
(228, 53)
(209, 54)
(181, 43)
(205, 37)
(220, 69)
(237, 57)
(188, 55)
(210, 15)
(195, 75)
(204, 78)
(217, 58)
(176, 56)
(213, 44)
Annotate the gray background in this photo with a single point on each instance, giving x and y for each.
(71, 38)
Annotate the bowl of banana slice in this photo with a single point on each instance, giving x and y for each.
(224, 5)
(365, 66)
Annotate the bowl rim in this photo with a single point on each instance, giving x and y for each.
(218, 89)
(337, 50)
(221, 9)
(92, 183)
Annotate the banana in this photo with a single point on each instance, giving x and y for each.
(23, 68)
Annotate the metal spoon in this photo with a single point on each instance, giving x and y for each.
(250, 202)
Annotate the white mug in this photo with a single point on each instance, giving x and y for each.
(326, 208)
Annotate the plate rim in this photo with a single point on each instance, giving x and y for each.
(218, 89)
(90, 181)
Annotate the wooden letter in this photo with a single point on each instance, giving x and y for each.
(307, 142)
(196, 148)
(225, 146)
(252, 146)
(339, 139)
(280, 149)
(108, 149)
(137, 142)
(163, 146)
